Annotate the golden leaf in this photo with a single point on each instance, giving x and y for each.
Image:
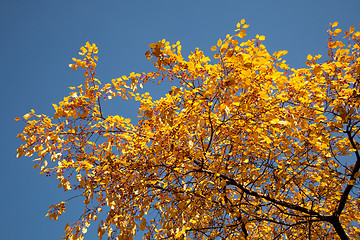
(352, 29)
(27, 116)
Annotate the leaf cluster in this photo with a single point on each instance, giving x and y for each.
(243, 147)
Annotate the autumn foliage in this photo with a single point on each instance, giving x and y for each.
(242, 147)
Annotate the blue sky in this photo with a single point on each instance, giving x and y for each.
(39, 38)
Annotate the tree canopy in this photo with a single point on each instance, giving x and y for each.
(242, 147)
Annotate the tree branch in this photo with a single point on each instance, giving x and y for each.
(350, 185)
(266, 197)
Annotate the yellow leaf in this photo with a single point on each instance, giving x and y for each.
(193, 221)
(27, 116)
(219, 42)
(283, 122)
(84, 50)
(180, 233)
(337, 31)
(262, 38)
(352, 29)
(148, 55)
(309, 57)
(191, 144)
(280, 53)
(334, 24)
(213, 48)
(274, 121)
(73, 66)
(148, 113)
(127, 120)
(316, 70)
(78, 177)
(143, 224)
(242, 21)
(17, 119)
(242, 33)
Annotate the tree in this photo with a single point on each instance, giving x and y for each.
(243, 147)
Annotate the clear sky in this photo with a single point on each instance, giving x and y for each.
(39, 38)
